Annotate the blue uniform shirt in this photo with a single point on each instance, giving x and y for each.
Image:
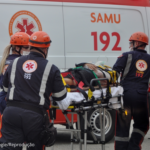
(35, 78)
(9, 60)
(138, 70)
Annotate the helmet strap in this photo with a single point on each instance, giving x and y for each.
(14, 49)
(134, 48)
(137, 46)
(20, 50)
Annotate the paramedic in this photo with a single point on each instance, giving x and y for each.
(135, 68)
(29, 81)
(19, 46)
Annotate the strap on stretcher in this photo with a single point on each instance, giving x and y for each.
(68, 89)
(70, 107)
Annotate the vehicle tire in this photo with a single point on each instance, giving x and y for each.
(93, 119)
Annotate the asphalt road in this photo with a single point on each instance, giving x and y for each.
(63, 142)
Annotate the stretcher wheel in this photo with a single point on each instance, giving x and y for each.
(93, 119)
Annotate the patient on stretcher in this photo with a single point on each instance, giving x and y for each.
(85, 74)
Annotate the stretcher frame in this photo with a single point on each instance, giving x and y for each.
(81, 108)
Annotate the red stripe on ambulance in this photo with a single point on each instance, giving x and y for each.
(143, 3)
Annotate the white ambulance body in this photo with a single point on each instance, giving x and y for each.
(80, 30)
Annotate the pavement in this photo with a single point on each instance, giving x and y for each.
(63, 142)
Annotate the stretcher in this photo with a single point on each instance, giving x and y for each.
(75, 103)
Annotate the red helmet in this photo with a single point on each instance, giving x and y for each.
(39, 39)
(139, 36)
(19, 38)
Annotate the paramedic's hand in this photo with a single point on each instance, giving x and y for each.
(91, 66)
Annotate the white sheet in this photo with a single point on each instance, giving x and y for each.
(77, 97)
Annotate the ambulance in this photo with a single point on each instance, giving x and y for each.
(81, 31)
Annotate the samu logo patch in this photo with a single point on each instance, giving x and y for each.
(141, 65)
(29, 66)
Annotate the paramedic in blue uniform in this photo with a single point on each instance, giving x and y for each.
(135, 68)
(29, 81)
(19, 46)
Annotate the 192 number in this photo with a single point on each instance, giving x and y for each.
(106, 41)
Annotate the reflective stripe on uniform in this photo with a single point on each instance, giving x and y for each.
(5, 89)
(60, 94)
(128, 64)
(43, 83)
(122, 139)
(1, 89)
(139, 131)
(12, 78)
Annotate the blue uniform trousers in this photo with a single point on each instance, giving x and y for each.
(19, 125)
(136, 104)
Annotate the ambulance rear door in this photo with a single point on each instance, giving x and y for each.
(100, 32)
